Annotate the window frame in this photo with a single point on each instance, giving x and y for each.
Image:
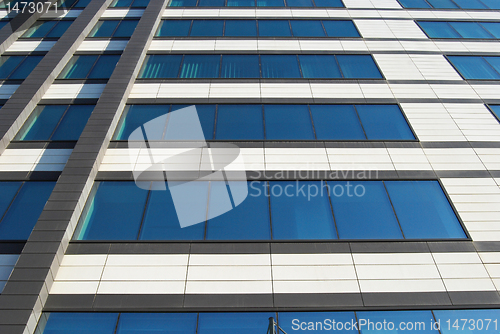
(99, 55)
(458, 33)
(21, 63)
(460, 73)
(112, 37)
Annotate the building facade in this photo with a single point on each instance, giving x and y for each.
(367, 132)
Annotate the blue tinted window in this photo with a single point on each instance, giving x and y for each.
(340, 29)
(212, 3)
(172, 28)
(247, 221)
(25, 68)
(442, 4)
(301, 215)
(104, 28)
(494, 62)
(81, 323)
(212, 28)
(493, 28)
(496, 111)
(182, 129)
(78, 67)
(279, 66)
(160, 323)
(362, 210)
(299, 3)
(384, 122)
(8, 64)
(241, 28)
(7, 192)
(140, 3)
(39, 29)
(202, 66)
(241, 3)
(82, 3)
(182, 3)
(328, 3)
(59, 29)
(238, 122)
(477, 317)
(121, 3)
(104, 67)
(470, 30)
(41, 123)
(161, 66)
(126, 28)
(470, 4)
(423, 210)
(307, 28)
(471, 67)
(73, 123)
(336, 122)
(319, 66)
(291, 122)
(114, 212)
(240, 66)
(358, 66)
(286, 321)
(135, 116)
(278, 28)
(439, 30)
(414, 4)
(241, 323)
(270, 3)
(160, 219)
(421, 320)
(18, 222)
(493, 4)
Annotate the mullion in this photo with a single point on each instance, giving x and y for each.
(145, 209)
(361, 123)
(340, 68)
(331, 208)
(93, 65)
(491, 66)
(215, 121)
(117, 26)
(190, 28)
(59, 122)
(15, 68)
(312, 122)
(394, 210)
(12, 201)
(455, 30)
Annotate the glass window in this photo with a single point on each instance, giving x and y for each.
(104, 67)
(160, 218)
(104, 28)
(414, 4)
(299, 3)
(40, 29)
(319, 66)
(211, 3)
(384, 122)
(211, 28)
(478, 317)
(416, 321)
(200, 66)
(279, 66)
(492, 4)
(336, 122)
(470, 30)
(161, 66)
(288, 122)
(73, 122)
(494, 62)
(307, 28)
(247, 221)
(130, 3)
(78, 67)
(362, 210)
(493, 28)
(126, 28)
(439, 30)
(442, 4)
(18, 222)
(473, 67)
(81, 323)
(241, 323)
(496, 111)
(8, 64)
(358, 66)
(423, 210)
(470, 4)
(82, 3)
(286, 321)
(270, 3)
(274, 28)
(17, 67)
(340, 28)
(159, 323)
(137, 115)
(206, 115)
(113, 212)
(301, 215)
(59, 29)
(7, 192)
(140, 3)
(241, 28)
(182, 3)
(328, 3)
(25, 68)
(174, 28)
(240, 122)
(241, 3)
(240, 66)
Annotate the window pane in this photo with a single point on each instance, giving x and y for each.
(274, 28)
(493, 61)
(59, 29)
(238, 122)
(240, 66)
(319, 66)
(161, 221)
(161, 66)
(182, 3)
(420, 320)
(212, 28)
(358, 66)
(121, 3)
(442, 4)
(492, 27)
(7, 192)
(414, 4)
(496, 110)
(73, 123)
(423, 210)
(78, 67)
(270, 3)
(336, 122)
(172, 28)
(439, 30)
(241, 3)
(81, 323)
(307, 28)
(18, 222)
(241, 323)
(470, 4)
(477, 317)
(8, 64)
(140, 3)
(137, 115)
(212, 3)
(340, 28)
(82, 3)
(471, 67)
(104, 67)
(247, 221)
(362, 210)
(299, 3)
(200, 66)
(104, 28)
(241, 28)
(113, 213)
(301, 210)
(384, 122)
(157, 323)
(206, 115)
(470, 30)
(493, 4)
(26, 67)
(126, 28)
(39, 29)
(279, 66)
(288, 122)
(286, 321)
(329, 3)
(41, 123)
